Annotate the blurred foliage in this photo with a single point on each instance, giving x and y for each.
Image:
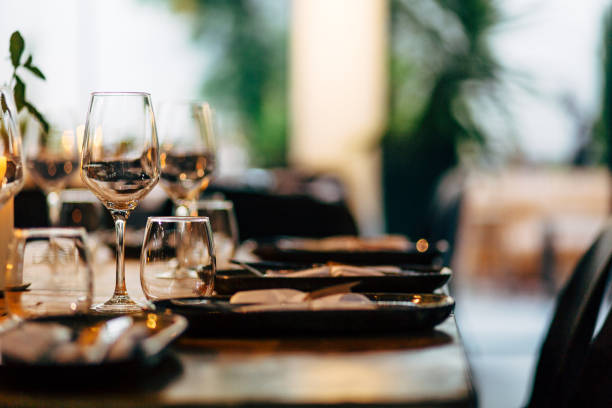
(603, 127)
(16, 49)
(247, 79)
(440, 63)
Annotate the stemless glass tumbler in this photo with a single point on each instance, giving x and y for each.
(120, 165)
(177, 258)
(48, 273)
(224, 226)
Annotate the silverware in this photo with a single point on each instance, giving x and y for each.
(212, 304)
(249, 268)
(18, 288)
(98, 340)
(331, 290)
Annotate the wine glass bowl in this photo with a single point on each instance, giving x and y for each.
(120, 165)
(11, 155)
(187, 152)
(51, 158)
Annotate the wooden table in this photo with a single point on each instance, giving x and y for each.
(427, 369)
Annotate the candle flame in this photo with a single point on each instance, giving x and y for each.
(2, 168)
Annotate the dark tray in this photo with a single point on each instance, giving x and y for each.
(395, 313)
(150, 353)
(413, 279)
(270, 251)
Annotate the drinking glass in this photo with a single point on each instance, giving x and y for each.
(48, 273)
(120, 165)
(80, 208)
(51, 158)
(11, 155)
(187, 152)
(224, 227)
(173, 241)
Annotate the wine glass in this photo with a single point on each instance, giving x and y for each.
(11, 156)
(224, 226)
(51, 158)
(187, 152)
(48, 273)
(120, 165)
(166, 240)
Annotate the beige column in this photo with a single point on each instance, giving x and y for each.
(338, 96)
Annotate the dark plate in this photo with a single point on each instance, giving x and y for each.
(395, 313)
(270, 251)
(412, 279)
(163, 329)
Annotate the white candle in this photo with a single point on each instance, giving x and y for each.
(6, 234)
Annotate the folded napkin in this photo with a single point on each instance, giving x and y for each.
(337, 270)
(348, 243)
(53, 343)
(291, 299)
(32, 342)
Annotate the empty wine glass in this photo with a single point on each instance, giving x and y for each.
(224, 226)
(11, 155)
(51, 158)
(187, 152)
(120, 165)
(48, 273)
(166, 240)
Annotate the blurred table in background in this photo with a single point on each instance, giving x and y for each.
(527, 227)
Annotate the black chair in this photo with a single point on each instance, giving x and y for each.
(569, 357)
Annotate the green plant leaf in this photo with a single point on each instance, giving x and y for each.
(35, 71)
(39, 117)
(16, 47)
(19, 92)
(3, 103)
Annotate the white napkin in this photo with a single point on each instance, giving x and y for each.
(337, 270)
(291, 299)
(32, 342)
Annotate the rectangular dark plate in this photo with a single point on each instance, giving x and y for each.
(270, 251)
(165, 329)
(412, 279)
(395, 313)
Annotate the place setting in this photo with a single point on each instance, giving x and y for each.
(191, 283)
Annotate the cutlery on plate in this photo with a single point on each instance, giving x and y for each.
(331, 290)
(97, 340)
(249, 268)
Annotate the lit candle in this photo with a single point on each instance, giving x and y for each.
(6, 234)
(2, 169)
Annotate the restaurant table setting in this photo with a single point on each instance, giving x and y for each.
(394, 278)
(192, 300)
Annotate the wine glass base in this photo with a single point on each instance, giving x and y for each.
(118, 305)
(182, 273)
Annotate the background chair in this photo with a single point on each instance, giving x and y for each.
(567, 350)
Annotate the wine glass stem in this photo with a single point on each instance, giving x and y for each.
(55, 206)
(120, 289)
(187, 207)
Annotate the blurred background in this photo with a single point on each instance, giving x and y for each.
(481, 125)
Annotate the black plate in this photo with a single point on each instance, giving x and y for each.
(166, 328)
(212, 317)
(412, 279)
(270, 251)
